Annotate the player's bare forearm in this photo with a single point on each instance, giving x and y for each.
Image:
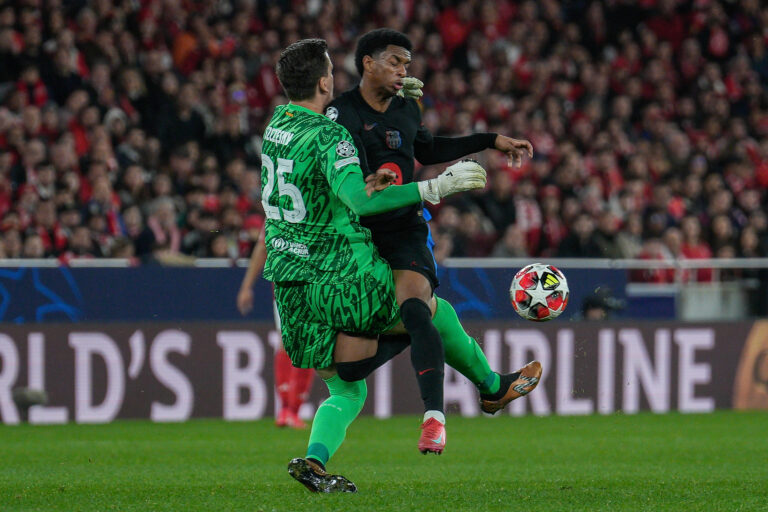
(255, 264)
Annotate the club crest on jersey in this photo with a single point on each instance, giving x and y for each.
(393, 139)
(332, 113)
(345, 149)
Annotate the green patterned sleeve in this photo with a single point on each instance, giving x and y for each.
(352, 193)
(337, 155)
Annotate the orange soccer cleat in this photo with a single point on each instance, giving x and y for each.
(513, 385)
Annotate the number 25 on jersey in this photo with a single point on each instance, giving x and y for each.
(284, 166)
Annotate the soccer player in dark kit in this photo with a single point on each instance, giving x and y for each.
(385, 122)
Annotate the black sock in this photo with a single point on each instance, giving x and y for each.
(506, 381)
(427, 356)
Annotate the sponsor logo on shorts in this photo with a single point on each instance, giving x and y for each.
(281, 244)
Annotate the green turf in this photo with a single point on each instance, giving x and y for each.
(643, 462)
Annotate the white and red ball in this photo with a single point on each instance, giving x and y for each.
(539, 292)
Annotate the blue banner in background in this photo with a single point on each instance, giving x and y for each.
(168, 294)
(483, 293)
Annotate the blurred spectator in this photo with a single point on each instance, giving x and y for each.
(606, 235)
(629, 240)
(553, 228)
(81, 245)
(49, 230)
(12, 244)
(694, 247)
(205, 225)
(581, 242)
(161, 230)
(497, 203)
(673, 245)
(474, 237)
(123, 248)
(33, 247)
(221, 246)
(654, 249)
(511, 245)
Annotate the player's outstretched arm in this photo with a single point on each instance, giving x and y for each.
(444, 149)
(436, 150)
(255, 266)
(460, 177)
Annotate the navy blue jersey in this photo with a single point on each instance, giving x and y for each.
(384, 139)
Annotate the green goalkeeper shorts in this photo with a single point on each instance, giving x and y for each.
(311, 315)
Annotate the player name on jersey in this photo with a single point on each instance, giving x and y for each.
(278, 136)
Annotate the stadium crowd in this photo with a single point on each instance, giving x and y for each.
(131, 128)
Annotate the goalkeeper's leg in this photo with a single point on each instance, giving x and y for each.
(329, 428)
(333, 417)
(464, 354)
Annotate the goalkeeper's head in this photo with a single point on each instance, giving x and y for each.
(305, 71)
(382, 57)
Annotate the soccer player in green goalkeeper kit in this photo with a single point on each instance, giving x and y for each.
(334, 293)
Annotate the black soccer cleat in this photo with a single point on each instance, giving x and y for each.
(314, 478)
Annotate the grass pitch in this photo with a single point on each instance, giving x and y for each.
(643, 462)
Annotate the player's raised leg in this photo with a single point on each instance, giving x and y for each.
(464, 354)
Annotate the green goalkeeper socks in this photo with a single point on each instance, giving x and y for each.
(461, 351)
(333, 417)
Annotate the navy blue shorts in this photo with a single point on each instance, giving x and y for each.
(409, 249)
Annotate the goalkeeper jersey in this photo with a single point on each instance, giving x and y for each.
(311, 236)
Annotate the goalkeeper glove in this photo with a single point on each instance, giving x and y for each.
(411, 88)
(459, 177)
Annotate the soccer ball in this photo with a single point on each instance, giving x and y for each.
(539, 292)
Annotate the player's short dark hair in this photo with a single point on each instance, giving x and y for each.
(300, 66)
(377, 41)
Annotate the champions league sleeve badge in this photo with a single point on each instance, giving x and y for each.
(332, 113)
(345, 149)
